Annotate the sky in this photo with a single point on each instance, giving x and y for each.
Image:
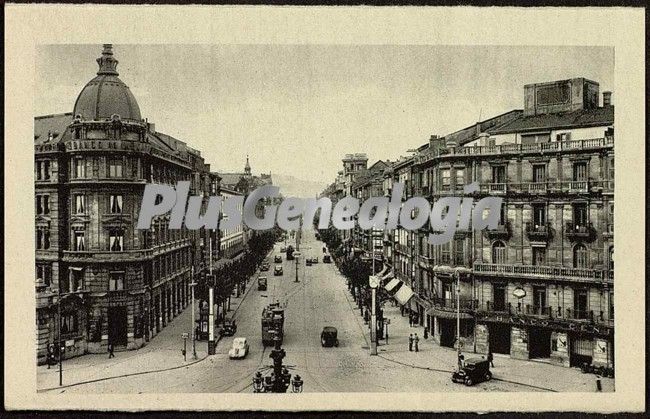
(298, 109)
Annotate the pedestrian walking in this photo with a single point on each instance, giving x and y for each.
(461, 360)
(50, 355)
(491, 358)
(416, 340)
(411, 342)
(426, 333)
(110, 351)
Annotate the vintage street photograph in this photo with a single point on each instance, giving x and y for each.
(525, 305)
(324, 209)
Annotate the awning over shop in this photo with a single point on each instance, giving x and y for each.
(444, 314)
(399, 290)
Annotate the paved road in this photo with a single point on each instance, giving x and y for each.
(321, 298)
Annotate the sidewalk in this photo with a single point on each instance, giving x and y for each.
(523, 375)
(162, 353)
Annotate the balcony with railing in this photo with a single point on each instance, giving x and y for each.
(502, 232)
(538, 232)
(466, 304)
(555, 146)
(575, 232)
(544, 272)
(494, 188)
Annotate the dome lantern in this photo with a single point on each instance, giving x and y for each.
(107, 64)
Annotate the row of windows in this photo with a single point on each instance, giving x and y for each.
(171, 263)
(580, 173)
(540, 301)
(115, 240)
(115, 168)
(580, 255)
(115, 204)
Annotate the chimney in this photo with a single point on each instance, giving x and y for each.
(607, 99)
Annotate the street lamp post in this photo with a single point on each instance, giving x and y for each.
(193, 325)
(60, 348)
(296, 255)
(458, 317)
(211, 344)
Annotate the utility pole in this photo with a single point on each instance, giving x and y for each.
(211, 345)
(193, 325)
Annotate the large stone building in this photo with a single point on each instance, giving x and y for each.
(111, 282)
(540, 286)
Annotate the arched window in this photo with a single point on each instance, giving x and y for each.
(498, 252)
(611, 258)
(580, 256)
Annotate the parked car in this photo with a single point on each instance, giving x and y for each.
(308, 262)
(327, 259)
(229, 328)
(265, 266)
(283, 249)
(278, 270)
(473, 371)
(278, 259)
(329, 337)
(239, 348)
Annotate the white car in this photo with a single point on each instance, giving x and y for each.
(239, 348)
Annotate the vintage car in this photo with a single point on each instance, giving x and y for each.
(239, 348)
(278, 270)
(229, 328)
(327, 259)
(261, 283)
(308, 262)
(278, 259)
(265, 266)
(283, 249)
(329, 336)
(474, 370)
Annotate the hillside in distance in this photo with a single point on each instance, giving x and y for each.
(291, 186)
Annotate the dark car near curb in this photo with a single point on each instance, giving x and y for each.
(277, 271)
(474, 371)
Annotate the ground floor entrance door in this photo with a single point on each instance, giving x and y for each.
(582, 350)
(117, 326)
(539, 342)
(499, 338)
(447, 332)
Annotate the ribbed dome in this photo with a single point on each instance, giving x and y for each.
(106, 95)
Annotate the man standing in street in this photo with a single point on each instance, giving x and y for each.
(110, 351)
(411, 342)
(416, 340)
(490, 358)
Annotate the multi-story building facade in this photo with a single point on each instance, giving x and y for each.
(111, 282)
(540, 286)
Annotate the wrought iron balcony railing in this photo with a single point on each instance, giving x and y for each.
(538, 232)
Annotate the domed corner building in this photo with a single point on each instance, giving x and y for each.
(108, 281)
